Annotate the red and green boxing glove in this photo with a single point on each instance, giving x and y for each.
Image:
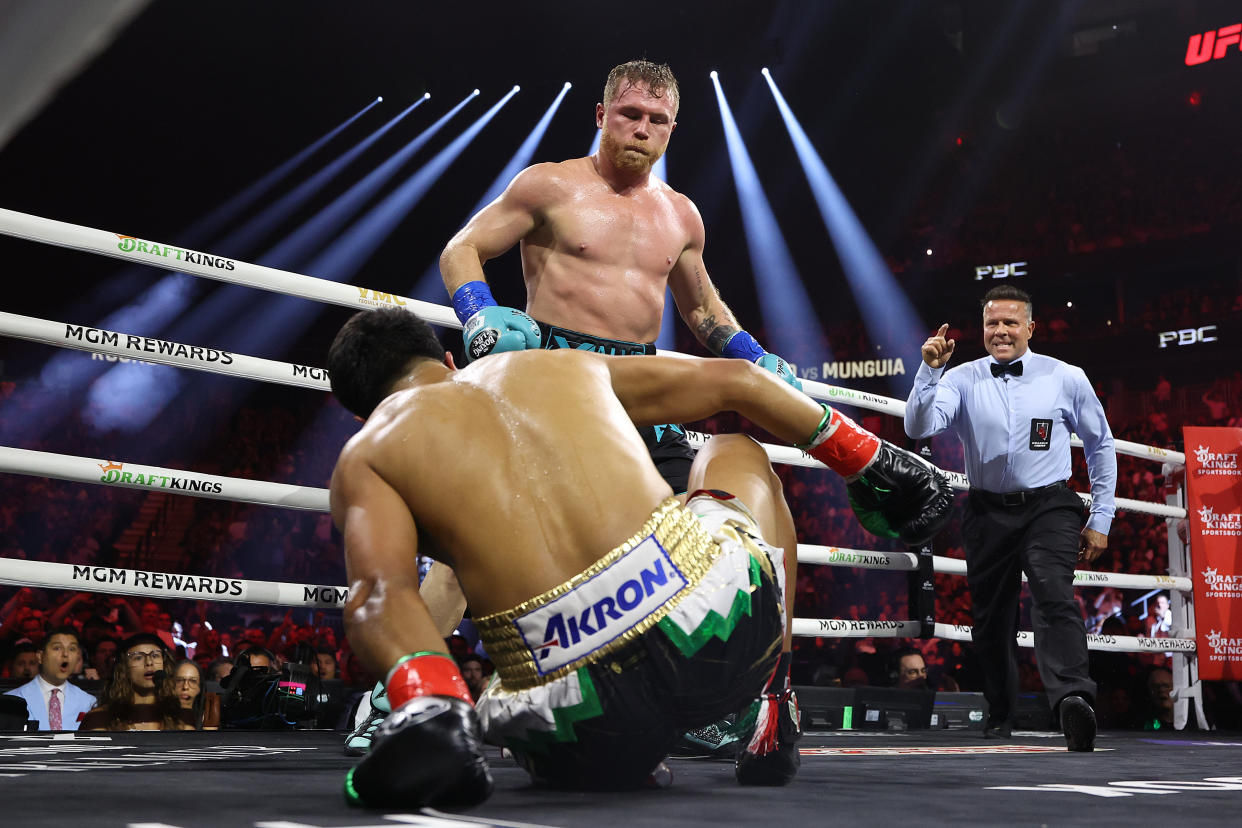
(894, 493)
(429, 749)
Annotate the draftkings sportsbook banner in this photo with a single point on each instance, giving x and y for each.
(1214, 491)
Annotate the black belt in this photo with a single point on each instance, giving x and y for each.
(1018, 498)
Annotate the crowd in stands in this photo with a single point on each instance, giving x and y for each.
(1079, 193)
(162, 657)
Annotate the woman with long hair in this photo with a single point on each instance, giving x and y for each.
(141, 695)
(188, 682)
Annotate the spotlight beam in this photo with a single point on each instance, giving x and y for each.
(789, 323)
(889, 317)
(225, 304)
(348, 253)
(240, 243)
(430, 287)
(218, 218)
(62, 378)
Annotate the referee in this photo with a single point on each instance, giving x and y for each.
(1014, 411)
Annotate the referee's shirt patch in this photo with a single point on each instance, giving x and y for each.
(1041, 435)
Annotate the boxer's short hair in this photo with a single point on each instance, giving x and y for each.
(657, 76)
(372, 350)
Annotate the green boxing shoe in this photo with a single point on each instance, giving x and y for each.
(358, 743)
(721, 739)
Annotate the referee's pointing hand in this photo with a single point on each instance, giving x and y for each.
(937, 350)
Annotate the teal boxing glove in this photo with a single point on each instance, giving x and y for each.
(490, 327)
(497, 329)
(778, 366)
(743, 346)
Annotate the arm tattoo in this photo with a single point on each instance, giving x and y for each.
(715, 336)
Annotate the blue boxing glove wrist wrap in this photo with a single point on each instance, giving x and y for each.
(742, 346)
(470, 298)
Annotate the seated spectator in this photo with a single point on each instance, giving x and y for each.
(1116, 706)
(855, 677)
(188, 681)
(909, 670)
(219, 670)
(31, 625)
(258, 658)
(472, 673)
(103, 657)
(168, 625)
(1159, 621)
(94, 630)
(150, 617)
(1159, 700)
(1108, 605)
(25, 664)
(252, 636)
(325, 663)
(210, 645)
(50, 699)
(203, 660)
(458, 645)
(141, 695)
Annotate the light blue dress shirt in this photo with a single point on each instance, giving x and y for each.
(996, 419)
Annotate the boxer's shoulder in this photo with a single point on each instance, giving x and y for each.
(548, 181)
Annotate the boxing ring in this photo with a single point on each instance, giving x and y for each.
(292, 780)
(1187, 689)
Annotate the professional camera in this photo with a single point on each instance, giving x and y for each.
(260, 698)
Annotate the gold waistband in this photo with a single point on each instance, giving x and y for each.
(689, 546)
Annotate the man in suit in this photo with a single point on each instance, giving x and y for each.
(50, 699)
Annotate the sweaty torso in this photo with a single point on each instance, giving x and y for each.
(599, 260)
(520, 471)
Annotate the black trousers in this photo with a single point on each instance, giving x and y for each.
(1041, 538)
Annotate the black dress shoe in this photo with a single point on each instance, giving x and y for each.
(1078, 724)
(1002, 729)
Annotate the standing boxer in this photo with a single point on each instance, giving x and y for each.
(601, 238)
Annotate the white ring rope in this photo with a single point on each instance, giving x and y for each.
(908, 562)
(158, 479)
(220, 268)
(167, 585)
(848, 628)
(153, 478)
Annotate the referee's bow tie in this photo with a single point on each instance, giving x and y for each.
(1000, 369)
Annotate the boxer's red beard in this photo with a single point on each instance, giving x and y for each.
(624, 160)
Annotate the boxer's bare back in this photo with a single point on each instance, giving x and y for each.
(520, 471)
